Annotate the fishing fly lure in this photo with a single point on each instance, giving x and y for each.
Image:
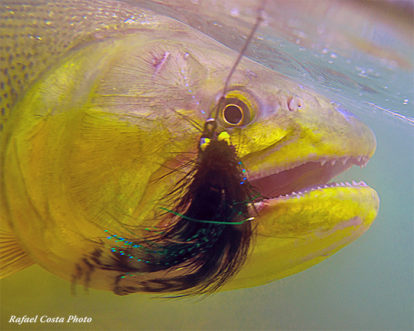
(211, 230)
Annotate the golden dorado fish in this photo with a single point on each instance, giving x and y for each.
(102, 111)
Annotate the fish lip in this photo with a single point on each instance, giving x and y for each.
(303, 176)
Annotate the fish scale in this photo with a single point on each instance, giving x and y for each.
(29, 43)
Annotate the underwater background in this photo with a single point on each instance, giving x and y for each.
(361, 55)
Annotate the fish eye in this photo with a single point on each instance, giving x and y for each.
(238, 109)
(233, 114)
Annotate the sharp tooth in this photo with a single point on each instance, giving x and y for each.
(359, 158)
(348, 184)
(345, 160)
(333, 162)
(342, 184)
(354, 183)
(323, 162)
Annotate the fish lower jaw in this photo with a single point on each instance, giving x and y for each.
(304, 176)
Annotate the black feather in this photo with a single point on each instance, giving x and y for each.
(209, 231)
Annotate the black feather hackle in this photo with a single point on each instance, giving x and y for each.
(210, 233)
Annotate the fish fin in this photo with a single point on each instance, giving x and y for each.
(12, 257)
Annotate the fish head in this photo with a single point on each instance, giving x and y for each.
(102, 138)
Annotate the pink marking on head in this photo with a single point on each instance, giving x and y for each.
(158, 63)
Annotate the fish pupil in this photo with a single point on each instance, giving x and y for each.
(233, 114)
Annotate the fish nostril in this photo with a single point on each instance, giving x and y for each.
(294, 103)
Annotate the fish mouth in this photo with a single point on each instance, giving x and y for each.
(304, 176)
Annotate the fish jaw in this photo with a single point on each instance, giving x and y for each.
(297, 231)
(303, 219)
(296, 147)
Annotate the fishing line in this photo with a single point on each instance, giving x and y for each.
(259, 20)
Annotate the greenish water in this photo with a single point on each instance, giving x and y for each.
(367, 285)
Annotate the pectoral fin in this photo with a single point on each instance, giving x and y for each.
(12, 257)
